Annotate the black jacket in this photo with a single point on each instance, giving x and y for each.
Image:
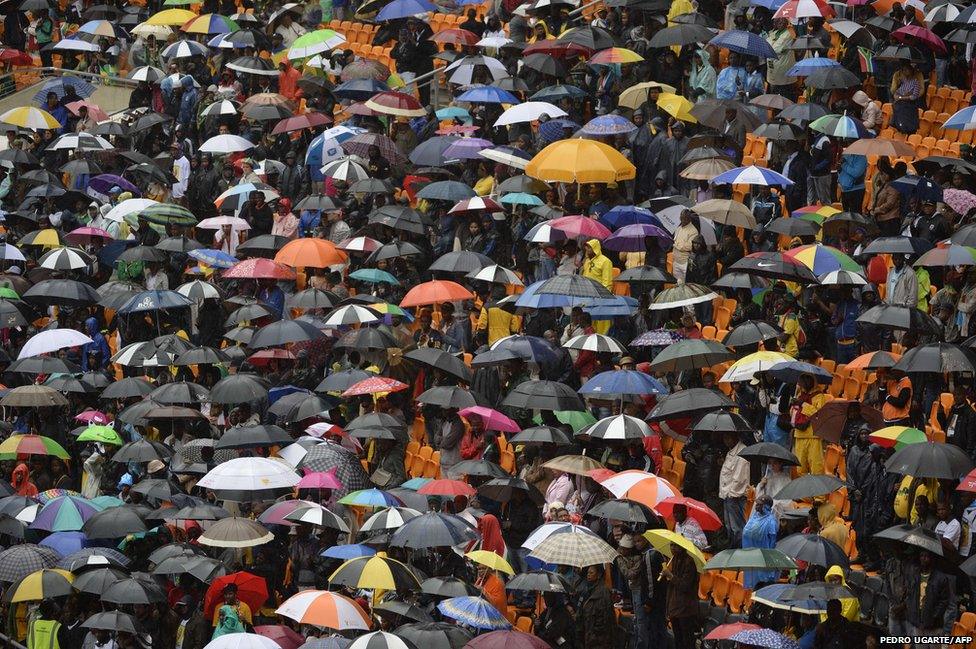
(928, 612)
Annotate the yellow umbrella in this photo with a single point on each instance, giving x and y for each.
(745, 368)
(171, 17)
(663, 539)
(580, 161)
(30, 117)
(42, 584)
(676, 106)
(491, 560)
(635, 96)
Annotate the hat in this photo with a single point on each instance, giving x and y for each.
(626, 541)
(626, 360)
(861, 98)
(154, 466)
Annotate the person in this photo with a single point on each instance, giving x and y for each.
(907, 85)
(870, 111)
(596, 265)
(682, 608)
(807, 445)
(688, 527)
(228, 621)
(555, 624)
(850, 607)
(702, 81)
(233, 610)
(193, 632)
(595, 622)
(94, 355)
(886, 208)
(897, 406)
(684, 237)
(929, 594)
(948, 527)
(760, 532)
(850, 178)
(285, 222)
(732, 485)
(834, 631)
(780, 39)
(21, 483)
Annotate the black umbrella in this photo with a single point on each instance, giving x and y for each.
(180, 392)
(930, 460)
(239, 388)
(144, 450)
(814, 549)
(574, 286)
(819, 590)
(114, 523)
(792, 227)
(628, 511)
(691, 355)
(96, 582)
(448, 587)
(442, 361)
(592, 38)
(780, 130)
(157, 489)
(366, 338)
(539, 581)
(462, 262)
(127, 388)
(265, 245)
(765, 451)
(912, 535)
(832, 78)
(850, 220)
(682, 35)
(43, 365)
(736, 280)
(312, 405)
(434, 530)
(484, 468)
(937, 358)
(502, 490)
(651, 274)
(446, 396)
(722, 421)
(809, 486)
(775, 265)
(711, 112)
(278, 334)
(897, 246)
(540, 435)
(544, 64)
(802, 114)
(689, 402)
(252, 436)
(434, 635)
(134, 590)
(112, 621)
(342, 380)
(174, 244)
(201, 356)
(964, 236)
(532, 349)
(62, 292)
(751, 332)
(313, 298)
(543, 395)
(904, 318)
(143, 253)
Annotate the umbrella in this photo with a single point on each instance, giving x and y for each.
(689, 402)
(40, 585)
(324, 608)
(113, 523)
(814, 549)
(428, 634)
(764, 637)
(234, 532)
(433, 529)
(939, 358)
(375, 572)
(20, 445)
(580, 160)
(112, 621)
(930, 460)
(750, 559)
(892, 316)
(474, 612)
(682, 295)
(691, 354)
(744, 42)
(624, 510)
(620, 427)
(809, 486)
(543, 395)
(662, 540)
(250, 478)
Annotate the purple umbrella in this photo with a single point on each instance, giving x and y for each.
(466, 148)
(656, 338)
(104, 183)
(609, 125)
(64, 543)
(64, 514)
(631, 238)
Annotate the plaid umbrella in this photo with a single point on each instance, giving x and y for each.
(359, 145)
(576, 548)
(349, 471)
(21, 560)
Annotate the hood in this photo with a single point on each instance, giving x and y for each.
(20, 474)
(826, 514)
(704, 56)
(661, 175)
(91, 326)
(594, 245)
(836, 571)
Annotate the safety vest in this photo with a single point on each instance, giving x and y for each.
(43, 634)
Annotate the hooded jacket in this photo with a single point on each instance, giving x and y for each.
(702, 79)
(21, 482)
(598, 267)
(288, 81)
(850, 606)
(99, 347)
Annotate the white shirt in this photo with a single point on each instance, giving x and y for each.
(157, 282)
(950, 530)
(691, 530)
(181, 169)
(968, 526)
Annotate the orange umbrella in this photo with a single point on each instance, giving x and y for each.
(435, 292)
(309, 252)
(446, 487)
(874, 360)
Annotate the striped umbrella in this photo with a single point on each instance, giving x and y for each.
(324, 608)
(841, 126)
(39, 585)
(823, 259)
(375, 572)
(620, 427)
(18, 445)
(30, 117)
(315, 42)
(370, 498)
(474, 612)
(67, 513)
(209, 24)
(574, 547)
(168, 214)
(184, 49)
(641, 486)
(389, 519)
(381, 640)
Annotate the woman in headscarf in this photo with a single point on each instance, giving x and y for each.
(760, 532)
(775, 479)
(850, 606)
(227, 622)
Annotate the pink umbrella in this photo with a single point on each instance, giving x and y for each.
(320, 480)
(323, 428)
(94, 110)
(492, 419)
(285, 637)
(918, 35)
(275, 515)
(86, 234)
(580, 227)
(92, 417)
(259, 268)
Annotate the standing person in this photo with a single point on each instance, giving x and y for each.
(897, 407)
(733, 482)
(447, 439)
(781, 38)
(886, 209)
(596, 265)
(181, 171)
(556, 624)
(193, 631)
(635, 570)
(853, 167)
(760, 532)
(682, 576)
(929, 595)
(902, 284)
(595, 622)
(684, 237)
(807, 446)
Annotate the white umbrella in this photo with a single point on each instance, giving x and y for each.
(51, 341)
(65, 258)
(80, 142)
(293, 454)
(530, 111)
(322, 606)
(184, 50)
(351, 314)
(12, 253)
(389, 519)
(146, 73)
(543, 532)
(217, 222)
(161, 32)
(222, 107)
(75, 44)
(235, 532)
(319, 516)
(242, 641)
(347, 169)
(496, 274)
(493, 41)
(198, 289)
(250, 474)
(128, 206)
(226, 143)
(463, 69)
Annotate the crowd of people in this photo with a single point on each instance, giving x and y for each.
(400, 325)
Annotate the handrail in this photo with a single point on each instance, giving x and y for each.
(52, 72)
(7, 641)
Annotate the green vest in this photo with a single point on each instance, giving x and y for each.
(43, 634)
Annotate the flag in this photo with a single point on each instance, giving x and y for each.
(866, 58)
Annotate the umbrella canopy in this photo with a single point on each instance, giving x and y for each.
(324, 608)
(474, 612)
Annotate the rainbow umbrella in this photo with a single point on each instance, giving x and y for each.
(616, 55)
(17, 445)
(897, 437)
(815, 213)
(823, 259)
(371, 498)
(64, 514)
(47, 496)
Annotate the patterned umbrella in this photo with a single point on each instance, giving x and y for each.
(765, 638)
(474, 612)
(67, 513)
(375, 572)
(328, 456)
(21, 560)
(574, 547)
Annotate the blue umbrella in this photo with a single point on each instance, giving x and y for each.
(624, 215)
(413, 484)
(530, 348)
(752, 175)
(374, 276)
(617, 306)
(64, 543)
(746, 43)
(521, 198)
(552, 94)
(154, 301)
(964, 120)
(446, 190)
(359, 89)
(325, 147)
(348, 551)
(804, 67)
(618, 382)
(211, 257)
(552, 130)
(58, 85)
(473, 611)
(772, 5)
(775, 595)
(488, 95)
(430, 153)
(919, 187)
(453, 112)
(404, 9)
(609, 125)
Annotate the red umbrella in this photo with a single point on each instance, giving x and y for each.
(299, 122)
(259, 268)
(435, 292)
(968, 482)
(456, 36)
(374, 384)
(15, 57)
(359, 145)
(555, 48)
(360, 108)
(790, 9)
(251, 589)
(697, 510)
(285, 637)
(918, 35)
(726, 631)
(395, 103)
(599, 475)
(445, 487)
(457, 129)
(576, 227)
(265, 356)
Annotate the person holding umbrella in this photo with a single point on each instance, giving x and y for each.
(595, 622)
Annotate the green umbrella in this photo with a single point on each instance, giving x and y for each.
(577, 420)
(316, 42)
(750, 559)
(9, 293)
(166, 213)
(102, 434)
(374, 276)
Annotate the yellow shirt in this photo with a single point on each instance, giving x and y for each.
(243, 612)
(790, 325)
